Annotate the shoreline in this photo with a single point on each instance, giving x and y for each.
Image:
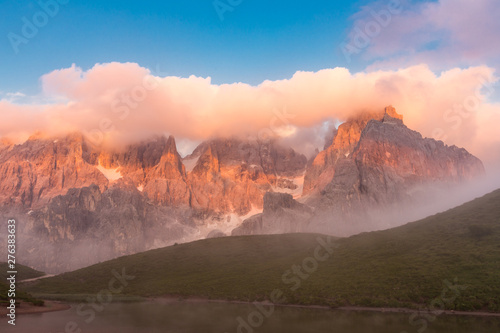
(28, 308)
(54, 306)
(173, 299)
(407, 310)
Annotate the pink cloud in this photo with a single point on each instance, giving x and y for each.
(124, 103)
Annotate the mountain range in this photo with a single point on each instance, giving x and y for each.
(78, 204)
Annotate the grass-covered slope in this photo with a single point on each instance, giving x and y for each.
(401, 267)
(23, 273)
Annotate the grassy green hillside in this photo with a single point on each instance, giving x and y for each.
(23, 273)
(401, 267)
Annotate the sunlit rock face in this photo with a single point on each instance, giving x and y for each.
(390, 171)
(166, 182)
(385, 156)
(41, 168)
(228, 175)
(347, 137)
(233, 175)
(392, 159)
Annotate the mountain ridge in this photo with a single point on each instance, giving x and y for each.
(69, 192)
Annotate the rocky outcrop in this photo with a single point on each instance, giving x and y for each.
(166, 183)
(345, 139)
(269, 156)
(93, 226)
(134, 161)
(41, 168)
(233, 175)
(379, 146)
(375, 168)
(281, 214)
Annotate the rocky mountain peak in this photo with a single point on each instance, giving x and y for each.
(170, 146)
(208, 164)
(344, 142)
(170, 165)
(43, 167)
(391, 112)
(166, 183)
(349, 133)
(382, 138)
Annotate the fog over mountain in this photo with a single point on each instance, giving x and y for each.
(82, 203)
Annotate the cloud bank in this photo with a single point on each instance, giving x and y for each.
(120, 103)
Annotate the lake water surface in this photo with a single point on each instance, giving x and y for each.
(186, 317)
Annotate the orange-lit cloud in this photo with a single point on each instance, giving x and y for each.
(123, 103)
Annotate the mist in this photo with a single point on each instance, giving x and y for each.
(426, 200)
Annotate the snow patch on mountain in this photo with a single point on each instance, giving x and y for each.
(111, 174)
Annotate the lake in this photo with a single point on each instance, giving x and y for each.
(164, 316)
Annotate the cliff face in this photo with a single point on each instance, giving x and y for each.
(228, 175)
(374, 169)
(166, 182)
(85, 226)
(231, 174)
(376, 154)
(39, 169)
(281, 214)
(392, 160)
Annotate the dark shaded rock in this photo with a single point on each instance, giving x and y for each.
(281, 214)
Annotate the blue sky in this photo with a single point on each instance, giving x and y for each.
(258, 40)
